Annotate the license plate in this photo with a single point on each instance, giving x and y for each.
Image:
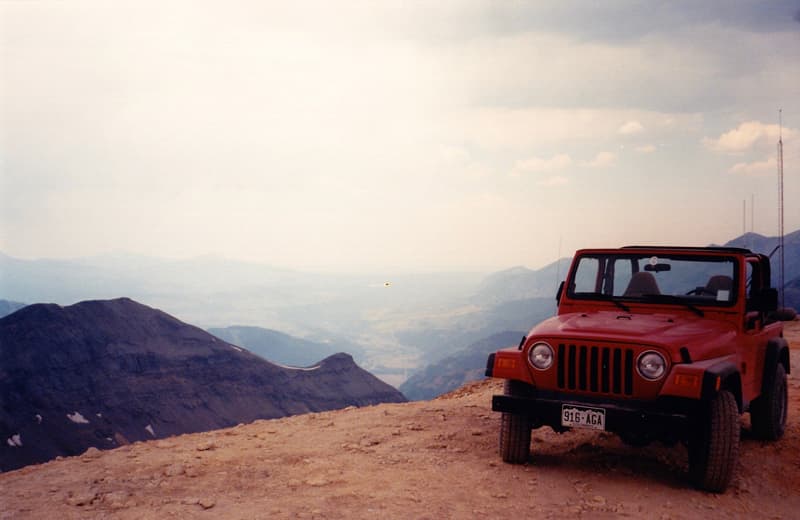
(583, 417)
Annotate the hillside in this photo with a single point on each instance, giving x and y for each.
(453, 371)
(282, 348)
(107, 373)
(433, 459)
(443, 337)
(521, 283)
(7, 307)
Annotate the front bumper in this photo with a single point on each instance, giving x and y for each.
(667, 419)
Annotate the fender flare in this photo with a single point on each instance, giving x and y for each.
(722, 376)
(777, 352)
(489, 365)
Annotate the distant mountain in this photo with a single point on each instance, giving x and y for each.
(792, 294)
(520, 283)
(202, 288)
(7, 307)
(216, 292)
(768, 245)
(441, 338)
(461, 367)
(106, 373)
(493, 308)
(282, 348)
(791, 255)
(762, 243)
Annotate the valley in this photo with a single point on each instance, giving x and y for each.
(394, 324)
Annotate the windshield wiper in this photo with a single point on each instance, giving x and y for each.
(604, 298)
(620, 305)
(668, 298)
(615, 301)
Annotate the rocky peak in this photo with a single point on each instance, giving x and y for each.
(105, 373)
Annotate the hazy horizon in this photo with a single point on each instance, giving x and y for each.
(467, 136)
(104, 256)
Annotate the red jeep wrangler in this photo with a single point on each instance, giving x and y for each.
(653, 343)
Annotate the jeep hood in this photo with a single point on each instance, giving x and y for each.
(667, 330)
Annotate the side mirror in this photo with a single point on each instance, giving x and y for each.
(560, 290)
(766, 300)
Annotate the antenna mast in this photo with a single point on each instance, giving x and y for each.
(780, 200)
(744, 216)
(558, 262)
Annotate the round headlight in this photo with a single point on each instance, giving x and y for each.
(541, 356)
(651, 365)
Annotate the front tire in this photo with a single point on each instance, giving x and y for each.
(515, 433)
(714, 449)
(768, 413)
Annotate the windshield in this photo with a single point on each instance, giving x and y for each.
(671, 278)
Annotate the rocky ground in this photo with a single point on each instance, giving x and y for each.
(433, 459)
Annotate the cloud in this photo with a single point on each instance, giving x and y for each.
(454, 154)
(558, 162)
(631, 128)
(757, 168)
(523, 129)
(491, 72)
(601, 160)
(748, 136)
(556, 180)
(538, 165)
(195, 121)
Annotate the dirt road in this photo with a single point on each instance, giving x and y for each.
(434, 459)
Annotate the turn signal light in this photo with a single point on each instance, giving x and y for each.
(506, 363)
(688, 380)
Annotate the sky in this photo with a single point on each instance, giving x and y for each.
(414, 136)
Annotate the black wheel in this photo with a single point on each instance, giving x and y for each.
(714, 448)
(638, 441)
(768, 412)
(515, 433)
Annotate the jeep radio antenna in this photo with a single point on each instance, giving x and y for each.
(780, 203)
(744, 219)
(558, 261)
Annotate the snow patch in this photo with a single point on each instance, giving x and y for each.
(77, 418)
(38, 418)
(149, 428)
(306, 369)
(234, 347)
(99, 415)
(15, 441)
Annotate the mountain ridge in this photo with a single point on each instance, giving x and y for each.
(457, 369)
(105, 373)
(8, 307)
(280, 347)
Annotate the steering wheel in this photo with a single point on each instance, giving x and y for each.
(700, 291)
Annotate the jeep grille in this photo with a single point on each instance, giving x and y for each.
(607, 370)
